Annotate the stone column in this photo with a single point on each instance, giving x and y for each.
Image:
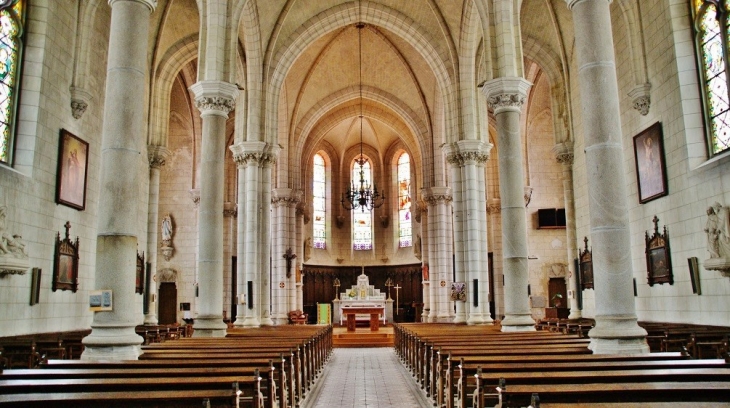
(156, 156)
(456, 165)
(214, 99)
(284, 288)
(299, 245)
(112, 332)
(564, 156)
(422, 217)
(439, 200)
(505, 96)
(473, 154)
(267, 160)
(616, 329)
(248, 156)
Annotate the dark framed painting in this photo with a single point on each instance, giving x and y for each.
(585, 257)
(66, 262)
(73, 163)
(658, 259)
(35, 286)
(651, 173)
(139, 280)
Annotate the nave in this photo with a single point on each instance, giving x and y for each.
(365, 377)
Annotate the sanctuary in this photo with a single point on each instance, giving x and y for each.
(362, 295)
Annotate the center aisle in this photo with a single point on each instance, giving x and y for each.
(365, 377)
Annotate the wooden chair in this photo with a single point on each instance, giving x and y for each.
(297, 317)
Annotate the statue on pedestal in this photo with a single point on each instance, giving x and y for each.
(717, 228)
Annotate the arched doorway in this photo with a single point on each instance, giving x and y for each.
(167, 292)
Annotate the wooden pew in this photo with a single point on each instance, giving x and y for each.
(605, 379)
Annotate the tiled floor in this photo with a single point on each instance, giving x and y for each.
(365, 377)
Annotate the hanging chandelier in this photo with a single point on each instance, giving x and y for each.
(363, 197)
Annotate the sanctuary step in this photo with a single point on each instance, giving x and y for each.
(363, 337)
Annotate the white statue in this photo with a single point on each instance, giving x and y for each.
(166, 230)
(307, 248)
(10, 244)
(713, 233)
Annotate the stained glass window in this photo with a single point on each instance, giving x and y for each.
(319, 201)
(404, 201)
(711, 40)
(362, 221)
(11, 28)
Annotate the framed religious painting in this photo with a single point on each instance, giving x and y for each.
(658, 259)
(139, 278)
(66, 262)
(651, 174)
(73, 163)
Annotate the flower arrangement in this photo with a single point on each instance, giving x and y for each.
(557, 299)
(351, 294)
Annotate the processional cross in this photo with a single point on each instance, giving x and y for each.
(397, 288)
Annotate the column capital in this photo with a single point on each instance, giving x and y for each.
(564, 152)
(437, 195)
(572, 3)
(157, 155)
(494, 206)
(467, 152)
(151, 4)
(506, 93)
(245, 153)
(285, 196)
(215, 97)
(641, 98)
(195, 196)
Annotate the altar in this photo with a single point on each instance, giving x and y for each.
(362, 295)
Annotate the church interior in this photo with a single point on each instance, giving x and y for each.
(218, 168)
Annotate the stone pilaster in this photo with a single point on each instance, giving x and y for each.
(440, 236)
(299, 214)
(616, 329)
(456, 162)
(112, 332)
(564, 156)
(284, 202)
(249, 157)
(505, 97)
(422, 217)
(156, 156)
(214, 99)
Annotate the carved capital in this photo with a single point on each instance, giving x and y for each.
(250, 153)
(215, 97)
(157, 156)
(494, 207)
(438, 199)
(214, 104)
(641, 98)
(79, 101)
(506, 94)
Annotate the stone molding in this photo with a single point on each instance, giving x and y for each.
(157, 156)
(166, 275)
(151, 4)
(506, 94)
(641, 98)
(195, 196)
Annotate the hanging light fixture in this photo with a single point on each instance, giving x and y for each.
(363, 197)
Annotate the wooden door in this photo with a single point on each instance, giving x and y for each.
(557, 286)
(167, 312)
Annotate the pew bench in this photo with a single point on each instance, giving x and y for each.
(122, 399)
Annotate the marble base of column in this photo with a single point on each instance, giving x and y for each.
(150, 319)
(618, 334)
(475, 318)
(251, 321)
(575, 313)
(111, 342)
(518, 323)
(460, 313)
(209, 326)
(279, 320)
(267, 321)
